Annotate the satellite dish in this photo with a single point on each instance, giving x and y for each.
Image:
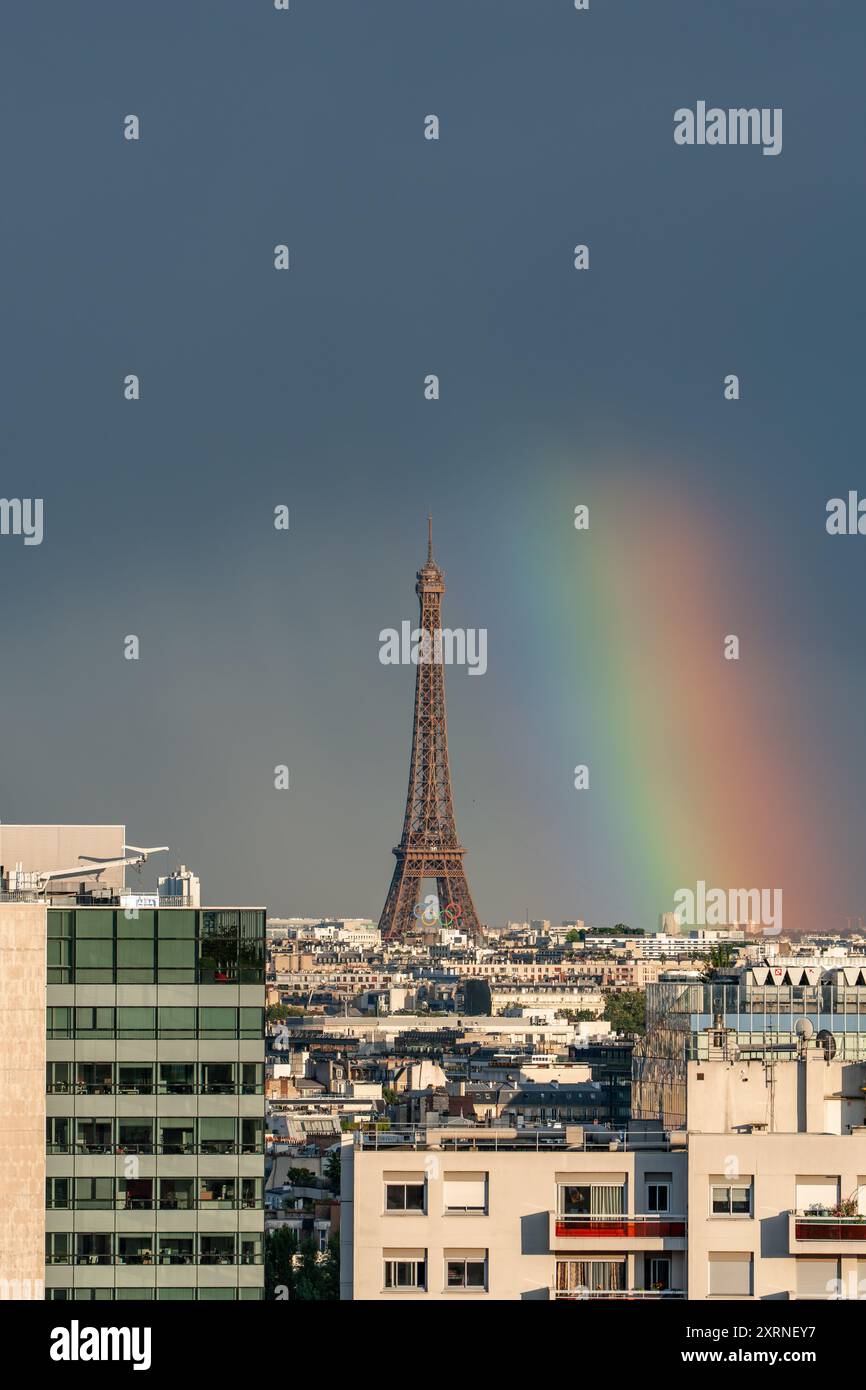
(804, 1028)
(828, 1042)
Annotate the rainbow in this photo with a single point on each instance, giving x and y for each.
(697, 762)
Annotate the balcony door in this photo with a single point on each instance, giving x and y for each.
(585, 1277)
(592, 1199)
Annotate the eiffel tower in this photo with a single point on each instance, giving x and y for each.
(429, 847)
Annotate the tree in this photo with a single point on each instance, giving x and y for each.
(308, 1280)
(573, 935)
(278, 1013)
(333, 1170)
(720, 957)
(280, 1249)
(303, 1177)
(296, 1270)
(626, 1013)
(330, 1268)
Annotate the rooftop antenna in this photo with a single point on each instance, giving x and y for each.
(429, 538)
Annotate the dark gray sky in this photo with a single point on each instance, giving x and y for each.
(306, 388)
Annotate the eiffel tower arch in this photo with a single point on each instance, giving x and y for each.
(428, 847)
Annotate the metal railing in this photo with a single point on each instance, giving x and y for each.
(575, 1138)
(812, 1225)
(580, 1294)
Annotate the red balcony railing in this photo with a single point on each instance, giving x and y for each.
(620, 1227)
(830, 1228)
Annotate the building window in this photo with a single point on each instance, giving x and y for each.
(176, 1135)
(406, 1272)
(591, 1199)
(465, 1192)
(217, 1135)
(176, 1078)
(731, 1198)
(177, 1248)
(216, 1192)
(93, 1248)
(730, 1275)
(57, 1134)
(176, 1021)
(93, 1079)
(135, 1080)
(176, 1194)
(218, 1078)
(466, 1272)
(176, 922)
(252, 1078)
(583, 1277)
(658, 1197)
(818, 1279)
(176, 962)
(136, 1023)
(405, 1195)
(217, 1250)
(59, 962)
(134, 961)
(135, 1194)
(218, 1022)
(58, 1078)
(94, 1136)
(657, 1272)
(251, 1247)
(817, 1196)
(58, 1022)
(135, 1250)
(251, 1192)
(252, 1024)
(252, 1135)
(94, 1194)
(94, 1023)
(57, 1192)
(135, 1136)
(58, 1247)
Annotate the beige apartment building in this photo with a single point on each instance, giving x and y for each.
(761, 1195)
(506, 1214)
(23, 980)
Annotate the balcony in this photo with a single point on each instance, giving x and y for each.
(812, 1234)
(572, 1296)
(624, 1231)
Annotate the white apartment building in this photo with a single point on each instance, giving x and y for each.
(509, 1214)
(761, 1196)
(575, 998)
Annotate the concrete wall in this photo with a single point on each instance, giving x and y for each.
(805, 1096)
(22, 1099)
(771, 1163)
(59, 846)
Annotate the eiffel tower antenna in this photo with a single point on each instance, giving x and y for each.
(429, 847)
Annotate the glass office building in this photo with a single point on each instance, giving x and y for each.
(155, 1103)
(751, 1013)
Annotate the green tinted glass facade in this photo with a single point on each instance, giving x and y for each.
(155, 1103)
